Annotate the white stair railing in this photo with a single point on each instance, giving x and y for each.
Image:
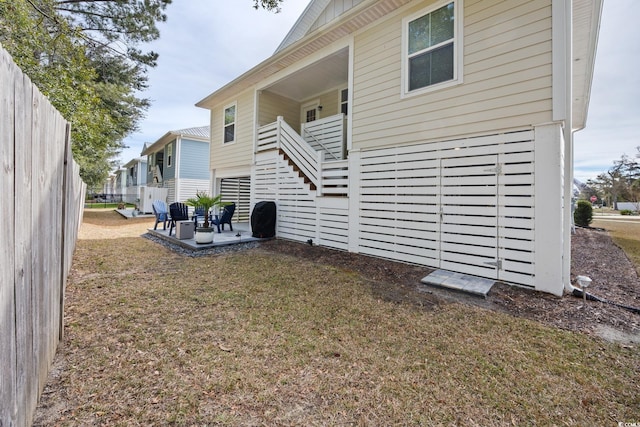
(328, 177)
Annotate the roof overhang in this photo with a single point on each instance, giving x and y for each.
(132, 162)
(586, 27)
(168, 137)
(160, 143)
(357, 18)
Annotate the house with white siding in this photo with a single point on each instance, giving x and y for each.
(136, 179)
(433, 132)
(119, 184)
(179, 163)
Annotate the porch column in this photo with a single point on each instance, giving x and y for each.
(354, 200)
(549, 202)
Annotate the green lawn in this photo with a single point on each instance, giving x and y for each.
(260, 338)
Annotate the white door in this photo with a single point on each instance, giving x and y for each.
(309, 112)
(469, 215)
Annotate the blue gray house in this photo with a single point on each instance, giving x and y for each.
(179, 162)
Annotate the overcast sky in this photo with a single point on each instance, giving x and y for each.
(204, 45)
(207, 43)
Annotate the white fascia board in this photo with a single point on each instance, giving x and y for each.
(561, 30)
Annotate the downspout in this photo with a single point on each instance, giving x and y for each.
(562, 35)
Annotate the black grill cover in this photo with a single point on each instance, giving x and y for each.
(263, 220)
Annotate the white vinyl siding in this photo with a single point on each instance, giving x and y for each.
(229, 124)
(272, 106)
(507, 78)
(238, 154)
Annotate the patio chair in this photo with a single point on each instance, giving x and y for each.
(227, 214)
(178, 212)
(198, 215)
(160, 211)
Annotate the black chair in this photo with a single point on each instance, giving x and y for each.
(227, 214)
(178, 212)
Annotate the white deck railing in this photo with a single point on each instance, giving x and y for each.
(327, 135)
(328, 177)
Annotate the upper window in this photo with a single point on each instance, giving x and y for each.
(431, 39)
(344, 101)
(230, 124)
(169, 155)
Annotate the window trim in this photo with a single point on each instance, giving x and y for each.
(169, 154)
(341, 102)
(234, 123)
(458, 27)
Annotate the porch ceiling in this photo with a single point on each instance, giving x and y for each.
(330, 72)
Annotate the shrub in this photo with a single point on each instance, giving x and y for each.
(583, 214)
(626, 212)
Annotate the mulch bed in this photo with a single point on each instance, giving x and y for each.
(594, 255)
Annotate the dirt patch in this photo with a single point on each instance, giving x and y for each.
(105, 224)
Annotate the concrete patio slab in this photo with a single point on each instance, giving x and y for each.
(241, 234)
(459, 282)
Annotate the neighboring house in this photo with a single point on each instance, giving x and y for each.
(120, 185)
(109, 185)
(179, 162)
(136, 179)
(438, 133)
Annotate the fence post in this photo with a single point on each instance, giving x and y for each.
(320, 160)
(63, 238)
(279, 131)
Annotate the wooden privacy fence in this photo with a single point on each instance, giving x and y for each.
(41, 196)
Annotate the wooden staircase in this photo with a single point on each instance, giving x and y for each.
(300, 173)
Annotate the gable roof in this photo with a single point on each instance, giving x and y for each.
(132, 162)
(304, 23)
(357, 17)
(317, 14)
(200, 133)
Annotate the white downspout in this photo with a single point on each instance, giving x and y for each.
(562, 36)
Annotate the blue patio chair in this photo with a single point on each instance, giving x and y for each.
(198, 215)
(227, 214)
(160, 211)
(178, 212)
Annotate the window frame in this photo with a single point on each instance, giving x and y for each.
(342, 103)
(458, 26)
(169, 154)
(234, 123)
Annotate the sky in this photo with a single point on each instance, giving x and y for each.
(613, 121)
(203, 45)
(207, 43)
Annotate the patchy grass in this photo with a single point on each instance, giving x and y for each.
(258, 338)
(626, 234)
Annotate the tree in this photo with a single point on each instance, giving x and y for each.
(620, 183)
(85, 56)
(82, 55)
(270, 5)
